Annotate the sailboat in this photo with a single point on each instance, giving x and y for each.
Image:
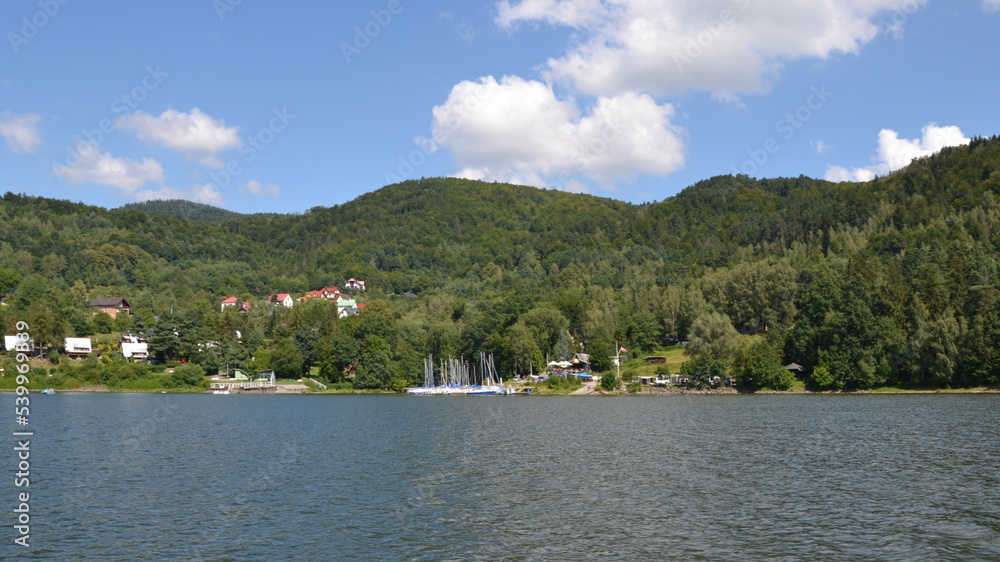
(457, 376)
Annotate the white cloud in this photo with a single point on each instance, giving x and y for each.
(990, 6)
(667, 46)
(519, 131)
(94, 166)
(819, 146)
(21, 131)
(254, 187)
(895, 153)
(199, 194)
(194, 133)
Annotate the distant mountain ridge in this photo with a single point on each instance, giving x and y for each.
(197, 212)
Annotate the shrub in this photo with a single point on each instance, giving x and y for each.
(562, 383)
(609, 382)
(188, 375)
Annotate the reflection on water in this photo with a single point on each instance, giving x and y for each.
(521, 478)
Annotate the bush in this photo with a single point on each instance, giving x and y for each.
(758, 366)
(562, 383)
(609, 382)
(188, 375)
(702, 369)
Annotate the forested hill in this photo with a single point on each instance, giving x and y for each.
(197, 212)
(892, 281)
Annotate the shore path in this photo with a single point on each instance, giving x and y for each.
(588, 388)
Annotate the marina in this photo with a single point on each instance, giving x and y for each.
(459, 377)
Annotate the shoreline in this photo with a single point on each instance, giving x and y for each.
(656, 391)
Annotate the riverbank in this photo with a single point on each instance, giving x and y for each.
(585, 390)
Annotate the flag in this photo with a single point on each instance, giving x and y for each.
(623, 350)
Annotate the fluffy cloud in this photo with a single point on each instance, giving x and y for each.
(895, 153)
(667, 46)
(518, 131)
(199, 194)
(94, 166)
(20, 131)
(194, 133)
(991, 5)
(254, 187)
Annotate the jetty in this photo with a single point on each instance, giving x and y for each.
(245, 387)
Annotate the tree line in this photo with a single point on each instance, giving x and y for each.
(888, 282)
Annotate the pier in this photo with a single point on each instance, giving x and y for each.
(245, 387)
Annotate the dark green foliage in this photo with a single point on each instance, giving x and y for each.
(609, 382)
(188, 375)
(286, 360)
(758, 366)
(8, 280)
(196, 212)
(600, 356)
(704, 371)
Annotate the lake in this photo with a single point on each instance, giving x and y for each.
(152, 476)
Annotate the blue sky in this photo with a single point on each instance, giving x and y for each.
(268, 106)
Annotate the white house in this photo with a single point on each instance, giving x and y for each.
(78, 347)
(10, 344)
(346, 306)
(284, 299)
(133, 349)
(354, 285)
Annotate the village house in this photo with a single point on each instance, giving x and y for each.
(111, 305)
(353, 284)
(330, 292)
(134, 348)
(311, 295)
(78, 348)
(284, 299)
(10, 344)
(233, 301)
(346, 306)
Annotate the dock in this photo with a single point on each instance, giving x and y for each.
(246, 387)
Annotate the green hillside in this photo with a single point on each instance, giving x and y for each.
(196, 212)
(892, 281)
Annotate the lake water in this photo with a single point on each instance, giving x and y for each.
(135, 476)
